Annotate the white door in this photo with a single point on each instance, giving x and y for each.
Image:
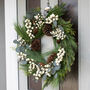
(11, 7)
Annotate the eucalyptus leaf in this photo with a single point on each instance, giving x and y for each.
(23, 62)
(28, 46)
(55, 76)
(57, 67)
(16, 42)
(61, 28)
(53, 71)
(55, 23)
(18, 50)
(45, 13)
(49, 69)
(22, 49)
(54, 63)
(44, 77)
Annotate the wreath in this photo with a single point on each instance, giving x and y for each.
(60, 59)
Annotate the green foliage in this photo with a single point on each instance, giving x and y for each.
(57, 10)
(21, 31)
(35, 55)
(39, 34)
(67, 26)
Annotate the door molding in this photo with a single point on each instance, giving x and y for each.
(10, 7)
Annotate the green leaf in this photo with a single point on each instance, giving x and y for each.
(39, 34)
(36, 56)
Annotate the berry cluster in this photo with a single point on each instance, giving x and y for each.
(60, 56)
(29, 28)
(51, 19)
(59, 34)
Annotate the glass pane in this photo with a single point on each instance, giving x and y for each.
(32, 4)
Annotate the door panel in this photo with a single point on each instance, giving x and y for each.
(34, 85)
(32, 4)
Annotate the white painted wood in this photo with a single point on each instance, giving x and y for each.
(2, 48)
(47, 42)
(10, 35)
(47, 45)
(84, 44)
(21, 13)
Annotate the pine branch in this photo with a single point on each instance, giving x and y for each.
(36, 56)
(22, 32)
(57, 10)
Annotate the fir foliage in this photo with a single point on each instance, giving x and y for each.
(57, 10)
(35, 55)
(21, 31)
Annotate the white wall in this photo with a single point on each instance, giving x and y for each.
(84, 44)
(2, 48)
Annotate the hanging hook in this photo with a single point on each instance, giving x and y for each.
(48, 3)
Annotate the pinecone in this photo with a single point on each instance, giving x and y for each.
(47, 29)
(51, 57)
(58, 41)
(41, 64)
(33, 21)
(35, 31)
(36, 45)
